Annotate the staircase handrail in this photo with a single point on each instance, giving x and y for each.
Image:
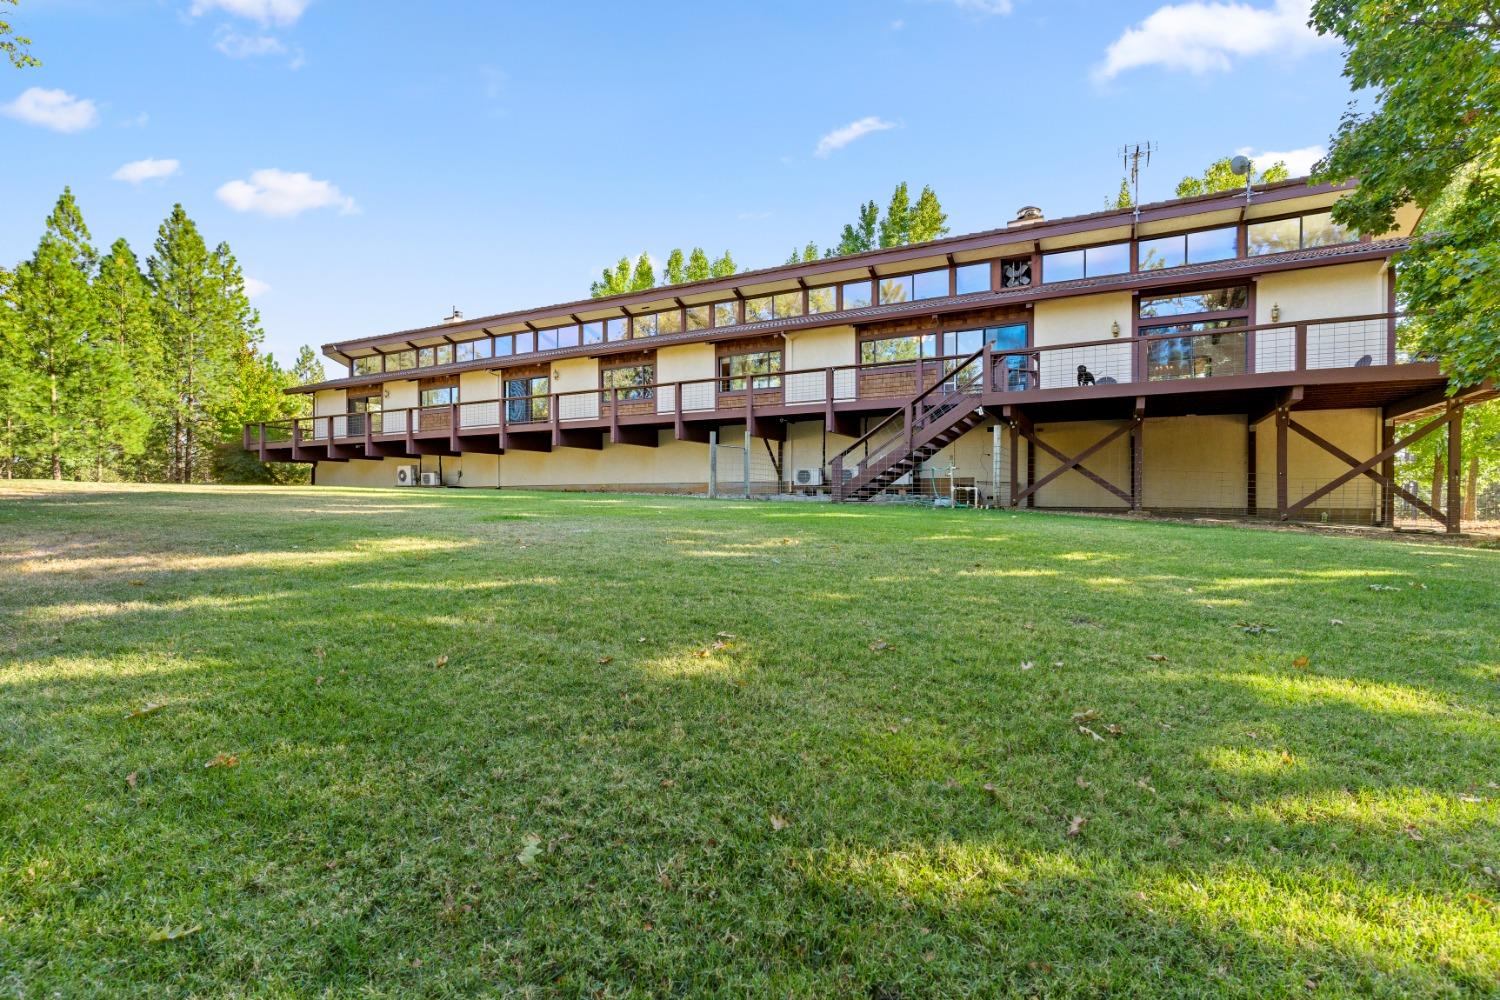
(909, 408)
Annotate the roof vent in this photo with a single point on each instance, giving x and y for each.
(454, 317)
(1029, 215)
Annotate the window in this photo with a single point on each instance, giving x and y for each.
(368, 366)
(472, 350)
(614, 329)
(699, 317)
(669, 322)
(504, 346)
(525, 342)
(822, 300)
(442, 354)
(1091, 262)
(440, 397)
(758, 309)
(930, 284)
(631, 381)
(973, 278)
(356, 407)
(548, 339)
(897, 289)
(400, 361)
(890, 350)
(856, 294)
(526, 399)
(644, 326)
(566, 336)
(593, 333)
(787, 304)
(962, 343)
(1315, 230)
(1208, 300)
(726, 313)
(761, 370)
(1188, 248)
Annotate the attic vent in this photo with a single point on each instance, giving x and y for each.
(1029, 215)
(454, 317)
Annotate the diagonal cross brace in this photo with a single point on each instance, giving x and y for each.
(1073, 462)
(1366, 467)
(1350, 460)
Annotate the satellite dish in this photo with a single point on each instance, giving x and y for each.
(1240, 165)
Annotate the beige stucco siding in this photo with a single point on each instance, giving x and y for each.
(825, 348)
(474, 387)
(330, 402)
(1087, 317)
(684, 362)
(1198, 462)
(1309, 467)
(1322, 292)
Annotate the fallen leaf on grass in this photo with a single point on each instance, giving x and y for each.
(1287, 758)
(1471, 799)
(223, 760)
(1335, 621)
(130, 779)
(991, 789)
(1081, 783)
(1414, 833)
(667, 782)
(605, 660)
(1254, 628)
(318, 681)
(442, 661)
(1076, 827)
(150, 708)
(879, 645)
(641, 639)
(1382, 586)
(1143, 783)
(1027, 664)
(719, 645)
(1156, 657)
(531, 848)
(1115, 729)
(779, 822)
(1085, 730)
(175, 933)
(1301, 662)
(137, 583)
(724, 635)
(1087, 715)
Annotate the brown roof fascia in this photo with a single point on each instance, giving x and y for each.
(1218, 201)
(1249, 267)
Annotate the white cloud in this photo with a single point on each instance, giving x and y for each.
(237, 46)
(54, 109)
(282, 194)
(146, 170)
(1298, 161)
(984, 6)
(842, 136)
(281, 12)
(255, 288)
(1203, 37)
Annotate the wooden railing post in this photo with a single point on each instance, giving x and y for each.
(836, 488)
(1138, 360)
(1300, 347)
(263, 441)
(614, 414)
(500, 418)
(987, 370)
(453, 427)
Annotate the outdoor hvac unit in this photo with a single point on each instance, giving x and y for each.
(809, 477)
(406, 475)
(431, 479)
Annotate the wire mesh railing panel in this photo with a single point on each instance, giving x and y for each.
(805, 387)
(1349, 344)
(482, 414)
(580, 406)
(1276, 350)
(698, 396)
(1103, 363)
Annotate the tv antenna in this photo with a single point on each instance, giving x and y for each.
(1241, 166)
(1132, 155)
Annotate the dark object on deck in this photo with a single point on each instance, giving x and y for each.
(1106, 380)
(1364, 362)
(1085, 377)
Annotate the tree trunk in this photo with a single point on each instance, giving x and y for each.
(56, 437)
(1471, 494)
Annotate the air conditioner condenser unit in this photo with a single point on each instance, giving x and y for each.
(431, 479)
(406, 475)
(809, 477)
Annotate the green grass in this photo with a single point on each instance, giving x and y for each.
(865, 793)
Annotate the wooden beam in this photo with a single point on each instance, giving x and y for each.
(1455, 459)
(1361, 468)
(1388, 482)
(1076, 462)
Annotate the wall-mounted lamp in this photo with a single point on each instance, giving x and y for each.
(1114, 329)
(1275, 312)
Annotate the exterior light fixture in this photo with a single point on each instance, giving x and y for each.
(1114, 329)
(1275, 312)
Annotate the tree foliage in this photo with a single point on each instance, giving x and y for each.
(109, 372)
(1219, 177)
(1432, 138)
(17, 48)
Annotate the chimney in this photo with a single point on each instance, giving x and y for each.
(454, 317)
(1029, 215)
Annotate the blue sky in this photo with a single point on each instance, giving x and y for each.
(374, 163)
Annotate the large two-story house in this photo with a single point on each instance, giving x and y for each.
(1234, 352)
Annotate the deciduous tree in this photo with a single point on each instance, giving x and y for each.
(895, 228)
(1220, 177)
(16, 47)
(928, 220)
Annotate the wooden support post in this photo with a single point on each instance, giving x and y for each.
(746, 456)
(1251, 500)
(713, 464)
(1388, 473)
(1015, 464)
(1137, 458)
(453, 428)
(1455, 468)
(1282, 420)
(262, 442)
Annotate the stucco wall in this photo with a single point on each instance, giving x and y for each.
(1087, 317)
(823, 348)
(1322, 292)
(1309, 467)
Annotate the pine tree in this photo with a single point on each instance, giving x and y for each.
(895, 228)
(860, 236)
(10, 375)
(1122, 198)
(676, 270)
(197, 321)
(928, 220)
(698, 266)
(55, 337)
(120, 389)
(723, 267)
(805, 255)
(644, 275)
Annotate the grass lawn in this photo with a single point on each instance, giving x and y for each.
(415, 744)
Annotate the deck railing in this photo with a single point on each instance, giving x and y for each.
(1343, 342)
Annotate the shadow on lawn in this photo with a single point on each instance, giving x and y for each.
(372, 806)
